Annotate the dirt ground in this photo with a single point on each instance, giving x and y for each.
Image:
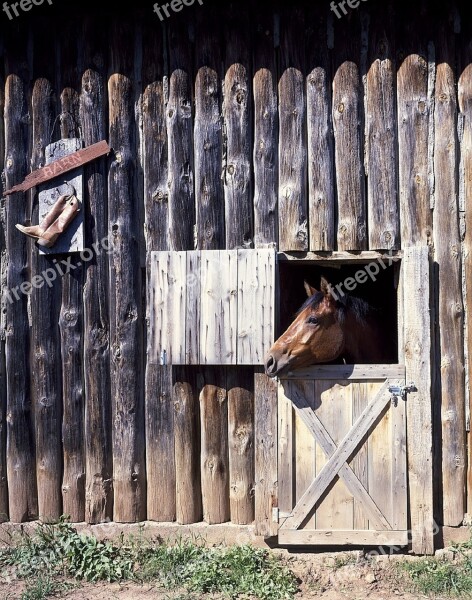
(341, 576)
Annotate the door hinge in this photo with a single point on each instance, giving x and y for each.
(400, 391)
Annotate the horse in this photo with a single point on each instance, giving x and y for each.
(327, 329)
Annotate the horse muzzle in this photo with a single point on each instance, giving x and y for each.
(276, 365)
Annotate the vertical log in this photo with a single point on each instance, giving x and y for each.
(187, 447)
(348, 133)
(265, 436)
(214, 450)
(71, 315)
(265, 155)
(447, 251)
(293, 234)
(237, 114)
(240, 382)
(321, 176)
(465, 106)
(381, 142)
(20, 449)
(125, 290)
(160, 463)
(45, 309)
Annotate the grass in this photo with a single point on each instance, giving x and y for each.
(56, 555)
(433, 576)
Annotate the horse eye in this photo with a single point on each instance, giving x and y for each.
(313, 321)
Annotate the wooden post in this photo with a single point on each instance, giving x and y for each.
(381, 138)
(125, 291)
(447, 254)
(293, 234)
(348, 134)
(45, 310)
(417, 328)
(20, 449)
(160, 463)
(265, 156)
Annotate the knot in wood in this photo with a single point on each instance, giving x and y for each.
(118, 157)
(240, 97)
(221, 396)
(134, 476)
(341, 107)
(422, 106)
(171, 114)
(443, 97)
(231, 169)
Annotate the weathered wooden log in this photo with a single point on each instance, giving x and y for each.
(46, 345)
(265, 155)
(125, 291)
(447, 252)
(160, 463)
(20, 448)
(293, 201)
(187, 447)
(381, 138)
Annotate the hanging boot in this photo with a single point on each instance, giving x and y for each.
(49, 237)
(36, 231)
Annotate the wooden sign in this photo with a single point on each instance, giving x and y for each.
(61, 166)
(72, 240)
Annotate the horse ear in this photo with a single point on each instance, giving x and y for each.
(310, 291)
(325, 286)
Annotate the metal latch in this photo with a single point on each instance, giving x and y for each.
(400, 391)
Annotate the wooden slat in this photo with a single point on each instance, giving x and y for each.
(321, 175)
(219, 307)
(158, 401)
(418, 370)
(20, 449)
(3, 374)
(45, 307)
(361, 257)
(349, 372)
(304, 442)
(343, 538)
(214, 449)
(465, 106)
(240, 385)
(265, 156)
(256, 310)
(187, 447)
(293, 234)
(265, 441)
(447, 254)
(125, 289)
(193, 308)
(399, 472)
(286, 491)
(360, 462)
(381, 142)
(347, 446)
(237, 118)
(348, 135)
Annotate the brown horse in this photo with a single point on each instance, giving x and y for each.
(329, 328)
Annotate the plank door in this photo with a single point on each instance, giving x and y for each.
(342, 457)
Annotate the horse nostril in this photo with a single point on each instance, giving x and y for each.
(270, 365)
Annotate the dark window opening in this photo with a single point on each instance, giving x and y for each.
(380, 294)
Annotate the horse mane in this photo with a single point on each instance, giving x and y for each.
(346, 304)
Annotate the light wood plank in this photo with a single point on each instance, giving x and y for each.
(399, 475)
(354, 257)
(418, 370)
(285, 450)
(343, 538)
(218, 307)
(348, 445)
(360, 461)
(193, 308)
(349, 372)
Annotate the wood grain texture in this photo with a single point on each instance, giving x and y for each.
(3, 373)
(20, 449)
(158, 208)
(214, 445)
(341, 538)
(125, 294)
(265, 154)
(45, 310)
(418, 370)
(381, 142)
(98, 449)
(447, 255)
(293, 201)
(265, 461)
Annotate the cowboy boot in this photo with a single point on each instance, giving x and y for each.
(49, 237)
(36, 231)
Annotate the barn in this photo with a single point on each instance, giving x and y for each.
(242, 149)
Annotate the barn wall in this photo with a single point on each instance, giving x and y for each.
(231, 128)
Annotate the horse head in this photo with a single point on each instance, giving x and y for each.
(315, 336)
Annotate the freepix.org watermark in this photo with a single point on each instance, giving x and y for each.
(11, 10)
(175, 6)
(60, 268)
